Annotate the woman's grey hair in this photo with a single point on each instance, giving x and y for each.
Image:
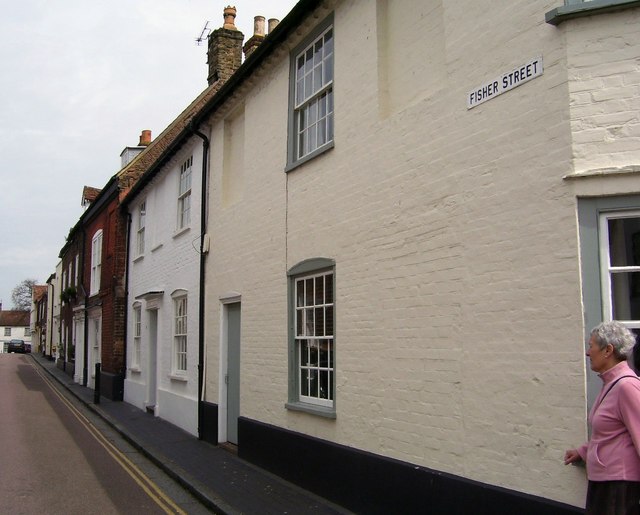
(616, 334)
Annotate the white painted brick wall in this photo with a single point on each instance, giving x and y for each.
(459, 320)
(604, 86)
(170, 262)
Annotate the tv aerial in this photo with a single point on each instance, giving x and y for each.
(204, 34)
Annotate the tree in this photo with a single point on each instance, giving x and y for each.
(21, 295)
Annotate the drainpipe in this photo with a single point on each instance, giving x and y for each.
(203, 250)
(126, 294)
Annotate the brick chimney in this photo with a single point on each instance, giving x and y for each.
(257, 38)
(225, 48)
(145, 138)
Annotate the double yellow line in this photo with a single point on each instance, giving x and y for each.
(149, 487)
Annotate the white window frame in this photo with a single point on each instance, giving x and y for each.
(607, 270)
(140, 227)
(96, 262)
(184, 194)
(7, 331)
(179, 361)
(137, 336)
(311, 122)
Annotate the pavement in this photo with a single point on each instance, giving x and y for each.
(219, 479)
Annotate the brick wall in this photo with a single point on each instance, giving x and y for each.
(604, 85)
(225, 54)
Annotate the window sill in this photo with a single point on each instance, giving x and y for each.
(605, 172)
(135, 370)
(589, 8)
(179, 378)
(180, 232)
(138, 258)
(157, 247)
(317, 152)
(312, 409)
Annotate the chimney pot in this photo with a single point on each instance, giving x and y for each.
(145, 138)
(258, 25)
(273, 23)
(229, 18)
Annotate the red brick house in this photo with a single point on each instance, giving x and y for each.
(38, 329)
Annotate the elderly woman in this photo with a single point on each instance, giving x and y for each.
(612, 454)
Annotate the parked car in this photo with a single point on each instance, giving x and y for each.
(17, 346)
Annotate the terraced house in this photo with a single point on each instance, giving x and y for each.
(401, 272)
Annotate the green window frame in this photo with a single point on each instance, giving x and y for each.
(580, 8)
(595, 265)
(312, 337)
(311, 97)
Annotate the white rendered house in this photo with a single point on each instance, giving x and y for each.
(162, 308)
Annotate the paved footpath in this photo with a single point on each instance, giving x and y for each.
(219, 479)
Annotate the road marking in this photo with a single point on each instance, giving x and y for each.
(149, 487)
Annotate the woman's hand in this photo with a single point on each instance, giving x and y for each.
(571, 456)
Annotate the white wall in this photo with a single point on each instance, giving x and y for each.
(170, 262)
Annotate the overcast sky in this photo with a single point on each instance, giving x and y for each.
(80, 80)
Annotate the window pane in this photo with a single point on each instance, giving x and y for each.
(322, 107)
(624, 241)
(329, 320)
(317, 52)
(328, 69)
(324, 392)
(329, 288)
(312, 112)
(313, 353)
(317, 78)
(299, 91)
(309, 296)
(324, 353)
(308, 61)
(299, 322)
(304, 352)
(302, 120)
(304, 384)
(322, 132)
(319, 326)
(309, 325)
(625, 293)
(313, 144)
(308, 85)
(313, 382)
(328, 42)
(319, 290)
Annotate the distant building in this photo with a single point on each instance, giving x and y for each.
(14, 325)
(39, 303)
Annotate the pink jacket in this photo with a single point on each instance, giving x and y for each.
(613, 451)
